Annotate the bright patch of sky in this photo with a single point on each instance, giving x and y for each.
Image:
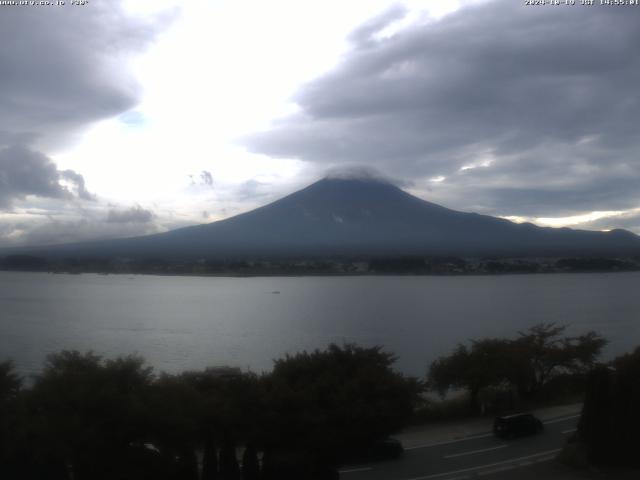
(574, 220)
(224, 69)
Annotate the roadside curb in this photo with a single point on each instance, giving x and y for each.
(443, 433)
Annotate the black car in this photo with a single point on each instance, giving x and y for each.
(516, 425)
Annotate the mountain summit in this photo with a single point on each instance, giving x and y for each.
(358, 217)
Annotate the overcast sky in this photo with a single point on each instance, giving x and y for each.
(120, 118)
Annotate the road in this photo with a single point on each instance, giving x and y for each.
(469, 457)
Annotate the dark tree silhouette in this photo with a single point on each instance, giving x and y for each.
(229, 467)
(230, 408)
(528, 363)
(174, 409)
(610, 419)
(250, 464)
(88, 414)
(542, 352)
(209, 459)
(485, 363)
(10, 382)
(327, 404)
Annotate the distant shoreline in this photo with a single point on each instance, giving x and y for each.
(316, 274)
(320, 266)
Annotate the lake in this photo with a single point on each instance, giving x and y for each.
(180, 323)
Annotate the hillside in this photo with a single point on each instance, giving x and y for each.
(356, 217)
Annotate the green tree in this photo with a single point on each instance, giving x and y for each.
(486, 362)
(542, 352)
(88, 413)
(230, 409)
(174, 411)
(326, 403)
(528, 363)
(10, 382)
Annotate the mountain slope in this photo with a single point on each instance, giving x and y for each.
(358, 217)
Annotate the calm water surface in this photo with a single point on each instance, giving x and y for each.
(179, 323)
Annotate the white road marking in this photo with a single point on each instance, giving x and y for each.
(480, 467)
(474, 451)
(353, 470)
(571, 430)
(449, 442)
(481, 435)
(561, 419)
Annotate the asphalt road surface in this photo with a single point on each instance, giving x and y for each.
(475, 456)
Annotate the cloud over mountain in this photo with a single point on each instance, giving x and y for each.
(135, 214)
(497, 107)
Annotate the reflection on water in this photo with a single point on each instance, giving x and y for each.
(178, 323)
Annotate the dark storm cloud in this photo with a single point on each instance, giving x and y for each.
(62, 68)
(135, 214)
(78, 181)
(537, 185)
(24, 172)
(549, 95)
